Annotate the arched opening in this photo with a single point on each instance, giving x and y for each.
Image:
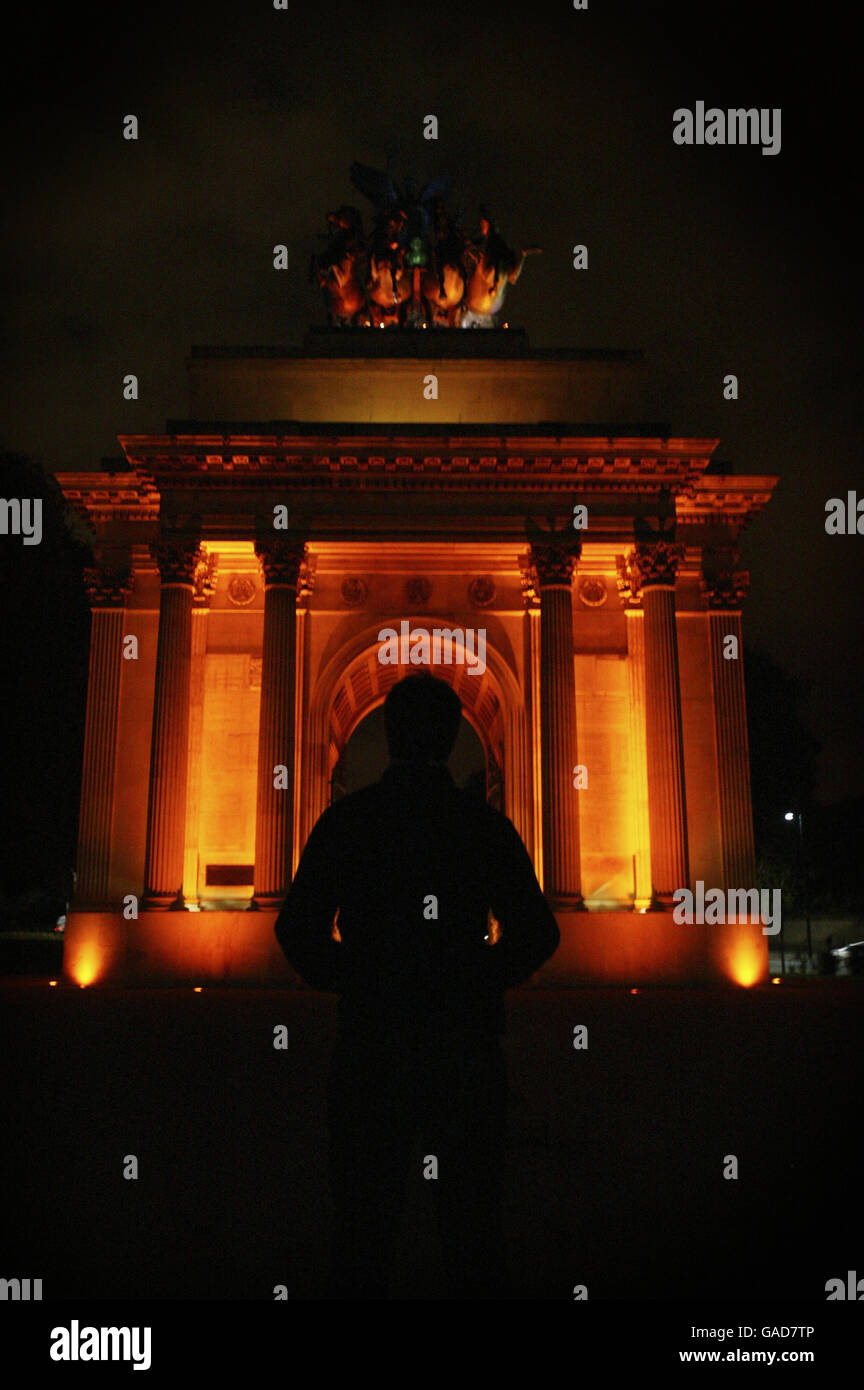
(364, 758)
(354, 682)
(358, 696)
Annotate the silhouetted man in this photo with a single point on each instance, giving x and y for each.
(413, 864)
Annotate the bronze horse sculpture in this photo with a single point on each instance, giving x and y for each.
(340, 269)
(493, 265)
(417, 267)
(443, 283)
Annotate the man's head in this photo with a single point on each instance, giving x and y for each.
(421, 717)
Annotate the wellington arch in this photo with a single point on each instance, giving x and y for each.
(246, 561)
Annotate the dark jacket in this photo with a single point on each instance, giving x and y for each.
(379, 857)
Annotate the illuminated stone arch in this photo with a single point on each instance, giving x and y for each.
(353, 682)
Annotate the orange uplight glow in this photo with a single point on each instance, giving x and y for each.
(52, 983)
(634, 991)
(745, 965)
(196, 989)
(87, 965)
(776, 980)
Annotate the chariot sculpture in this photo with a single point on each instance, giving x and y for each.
(417, 267)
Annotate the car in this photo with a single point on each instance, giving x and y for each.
(850, 959)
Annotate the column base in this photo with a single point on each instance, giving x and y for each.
(567, 904)
(266, 902)
(661, 902)
(163, 902)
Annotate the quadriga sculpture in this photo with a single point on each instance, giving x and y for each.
(492, 266)
(443, 283)
(340, 270)
(389, 284)
(417, 268)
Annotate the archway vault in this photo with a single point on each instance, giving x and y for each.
(366, 681)
(353, 681)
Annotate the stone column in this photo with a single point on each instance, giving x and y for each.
(554, 562)
(724, 592)
(281, 559)
(518, 791)
(107, 591)
(204, 583)
(635, 621)
(302, 760)
(531, 727)
(177, 556)
(653, 567)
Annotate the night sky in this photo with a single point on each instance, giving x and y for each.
(118, 255)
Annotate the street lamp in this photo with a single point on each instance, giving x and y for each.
(799, 816)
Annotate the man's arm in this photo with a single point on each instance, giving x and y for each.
(304, 925)
(529, 931)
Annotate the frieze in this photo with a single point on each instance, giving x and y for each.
(482, 592)
(354, 591)
(592, 591)
(418, 590)
(241, 590)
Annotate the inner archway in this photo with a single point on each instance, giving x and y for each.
(365, 756)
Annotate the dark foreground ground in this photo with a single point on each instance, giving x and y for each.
(614, 1175)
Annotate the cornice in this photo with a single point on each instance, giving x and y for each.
(724, 497)
(434, 462)
(599, 469)
(111, 496)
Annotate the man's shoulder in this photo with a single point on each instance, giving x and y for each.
(364, 806)
(495, 828)
(350, 807)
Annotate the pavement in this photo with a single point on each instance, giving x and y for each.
(614, 1177)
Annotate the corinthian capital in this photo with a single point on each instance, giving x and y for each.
(282, 558)
(723, 586)
(655, 557)
(554, 554)
(628, 580)
(655, 563)
(726, 591)
(108, 587)
(177, 554)
(204, 579)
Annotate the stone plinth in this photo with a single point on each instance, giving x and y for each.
(174, 948)
(235, 947)
(278, 384)
(643, 948)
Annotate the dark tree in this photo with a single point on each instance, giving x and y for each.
(44, 641)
